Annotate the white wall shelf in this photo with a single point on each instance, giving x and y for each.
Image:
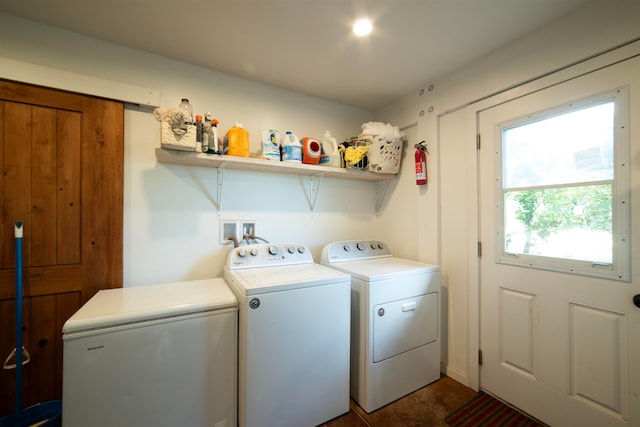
(191, 158)
(222, 162)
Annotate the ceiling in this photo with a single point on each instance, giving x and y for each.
(307, 45)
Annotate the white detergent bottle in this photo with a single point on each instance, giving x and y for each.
(291, 148)
(330, 154)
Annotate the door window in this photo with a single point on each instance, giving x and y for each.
(562, 182)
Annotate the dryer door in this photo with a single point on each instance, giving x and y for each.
(403, 325)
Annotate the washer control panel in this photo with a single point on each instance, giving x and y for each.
(267, 255)
(350, 250)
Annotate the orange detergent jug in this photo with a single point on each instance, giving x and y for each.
(236, 141)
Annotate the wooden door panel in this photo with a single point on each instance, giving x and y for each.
(17, 179)
(34, 95)
(7, 344)
(61, 164)
(102, 195)
(42, 224)
(68, 187)
(42, 280)
(3, 238)
(40, 333)
(47, 196)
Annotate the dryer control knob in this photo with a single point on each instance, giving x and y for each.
(253, 252)
(359, 246)
(242, 252)
(379, 245)
(273, 250)
(373, 246)
(301, 250)
(291, 249)
(346, 248)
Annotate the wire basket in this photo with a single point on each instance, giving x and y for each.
(356, 155)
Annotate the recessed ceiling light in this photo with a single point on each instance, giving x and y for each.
(362, 27)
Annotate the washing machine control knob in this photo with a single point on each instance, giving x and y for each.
(273, 250)
(373, 246)
(346, 248)
(291, 249)
(242, 253)
(379, 245)
(301, 250)
(359, 246)
(253, 252)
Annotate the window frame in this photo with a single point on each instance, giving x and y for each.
(619, 269)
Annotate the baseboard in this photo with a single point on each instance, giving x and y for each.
(455, 374)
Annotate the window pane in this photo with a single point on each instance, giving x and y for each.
(572, 223)
(564, 149)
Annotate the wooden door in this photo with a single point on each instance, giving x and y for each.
(61, 157)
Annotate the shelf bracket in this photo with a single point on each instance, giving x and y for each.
(312, 195)
(220, 185)
(380, 193)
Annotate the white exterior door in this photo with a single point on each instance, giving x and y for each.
(562, 347)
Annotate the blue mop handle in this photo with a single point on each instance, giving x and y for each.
(18, 229)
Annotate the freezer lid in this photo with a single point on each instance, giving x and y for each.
(383, 268)
(253, 281)
(113, 307)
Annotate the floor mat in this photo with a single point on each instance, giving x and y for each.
(484, 410)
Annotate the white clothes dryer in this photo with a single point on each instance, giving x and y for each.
(156, 355)
(293, 336)
(395, 321)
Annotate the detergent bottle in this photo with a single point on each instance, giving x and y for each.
(330, 153)
(291, 148)
(311, 150)
(236, 141)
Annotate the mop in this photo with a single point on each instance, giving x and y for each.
(46, 414)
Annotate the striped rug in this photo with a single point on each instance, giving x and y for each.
(484, 410)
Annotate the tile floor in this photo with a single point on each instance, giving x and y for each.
(425, 407)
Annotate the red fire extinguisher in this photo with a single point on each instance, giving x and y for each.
(421, 163)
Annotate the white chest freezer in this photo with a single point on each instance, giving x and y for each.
(158, 355)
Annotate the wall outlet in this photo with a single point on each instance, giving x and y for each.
(228, 232)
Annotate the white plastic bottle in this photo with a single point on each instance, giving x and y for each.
(291, 148)
(187, 110)
(330, 153)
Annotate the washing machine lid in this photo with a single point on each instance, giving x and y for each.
(251, 281)
(383, 268)
(121, 306)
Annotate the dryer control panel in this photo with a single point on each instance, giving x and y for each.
(350, 250)
(268, 255)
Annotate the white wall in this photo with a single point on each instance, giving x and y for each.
(171, 215)
(451, 126)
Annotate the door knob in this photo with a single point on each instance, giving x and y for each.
(636, 300)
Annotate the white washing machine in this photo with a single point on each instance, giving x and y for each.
(294, 336)
(395, 321)
(157, 355)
